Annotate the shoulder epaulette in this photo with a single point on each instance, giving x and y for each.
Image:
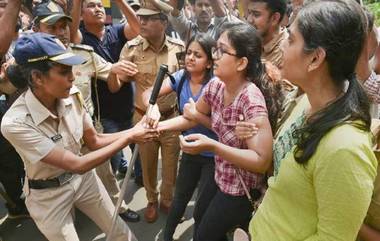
(134, 42)
(175, 41)
(82, 47)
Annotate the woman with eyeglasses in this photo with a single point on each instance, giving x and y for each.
(240, 91)
(326, 166)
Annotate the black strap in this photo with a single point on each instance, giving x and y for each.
(179, 89)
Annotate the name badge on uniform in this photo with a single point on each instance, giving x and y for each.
(56, 138)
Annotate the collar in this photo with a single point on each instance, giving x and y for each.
(147, 45)
(277, 38)
(40, 113)
(210, 26)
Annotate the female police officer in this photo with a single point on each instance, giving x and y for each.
(47, 126)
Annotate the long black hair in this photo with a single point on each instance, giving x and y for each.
(338, 27)
(246, 41)
(206, 42)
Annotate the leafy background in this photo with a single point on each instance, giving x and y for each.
(374, 6)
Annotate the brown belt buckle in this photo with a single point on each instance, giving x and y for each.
(65, 178)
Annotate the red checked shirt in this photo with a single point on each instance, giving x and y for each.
(372, 87)
(250, 103)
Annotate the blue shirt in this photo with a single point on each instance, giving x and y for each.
(116, 106)
(184, 97)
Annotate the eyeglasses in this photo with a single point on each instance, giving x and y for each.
(217, 52)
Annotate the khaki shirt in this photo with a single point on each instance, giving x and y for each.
(272, 51)
(34, 131)
(148, 61)
(95, 66)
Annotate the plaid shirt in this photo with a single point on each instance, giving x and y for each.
(250, 103)
(372, 87)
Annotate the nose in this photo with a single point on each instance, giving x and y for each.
(71, 76)
(250, 19)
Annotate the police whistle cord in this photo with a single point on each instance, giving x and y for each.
(153, 98)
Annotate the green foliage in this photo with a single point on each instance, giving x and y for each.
(374, 6)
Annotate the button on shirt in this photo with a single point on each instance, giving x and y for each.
(272, 51)
(251, 104)
(84, 72)
(148, 61)
(34, 131)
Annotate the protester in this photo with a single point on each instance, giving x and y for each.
(144, 55)
(266, 17)
(189, 84)
(236, 94)
(323, 154)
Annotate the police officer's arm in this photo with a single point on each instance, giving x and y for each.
(75, 34)
(8, 23)
(104, 146)
(132, 27)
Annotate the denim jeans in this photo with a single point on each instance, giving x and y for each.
(224, 213)
(193, 169)
(117, 161)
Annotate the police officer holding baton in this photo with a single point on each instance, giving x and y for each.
(47, 125)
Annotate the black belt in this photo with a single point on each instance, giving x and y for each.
(50, 183)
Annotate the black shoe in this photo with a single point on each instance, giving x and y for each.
(130, 216)
(18, 211)
(139, 181)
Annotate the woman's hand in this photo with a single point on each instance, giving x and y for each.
(196, 143)
(153, 116)
(190, 110)
(141, 134)
(245, 130)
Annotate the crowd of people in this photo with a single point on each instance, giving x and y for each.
(266, 114)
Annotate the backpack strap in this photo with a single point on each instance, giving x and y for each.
(179, 89)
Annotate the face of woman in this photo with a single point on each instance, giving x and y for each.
(196, 60)
(225, 60)
(58, 81)
(295, 60)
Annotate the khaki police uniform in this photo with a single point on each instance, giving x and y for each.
(148, 61)
(98, 68)
(34, 131)
(272, 51)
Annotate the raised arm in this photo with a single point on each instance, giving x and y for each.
(132, 27)
(8, 22)
(75, 34)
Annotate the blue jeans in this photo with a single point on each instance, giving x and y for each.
(193, 169)
(118, 161)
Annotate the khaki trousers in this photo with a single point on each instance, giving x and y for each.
(169, 143)
(105, 173)
(51, 208)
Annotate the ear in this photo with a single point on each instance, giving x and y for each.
(209, 64)
(242, 64)
(276, 18)
(316, 59)
(36, 78)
